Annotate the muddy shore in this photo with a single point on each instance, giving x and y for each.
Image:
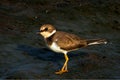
(24, 55)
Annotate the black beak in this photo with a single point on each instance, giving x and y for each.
(38, 32)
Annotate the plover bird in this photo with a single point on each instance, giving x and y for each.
(63, 42)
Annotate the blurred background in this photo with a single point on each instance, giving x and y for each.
(23, 53)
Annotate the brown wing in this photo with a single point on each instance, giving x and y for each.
(68, 41)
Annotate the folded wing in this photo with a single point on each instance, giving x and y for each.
(70, 41)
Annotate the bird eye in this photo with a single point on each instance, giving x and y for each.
(46, 29)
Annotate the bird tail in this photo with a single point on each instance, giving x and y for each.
(96, 41)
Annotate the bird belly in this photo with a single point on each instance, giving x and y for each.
(56, 48)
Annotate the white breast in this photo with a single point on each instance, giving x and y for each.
(56, 48)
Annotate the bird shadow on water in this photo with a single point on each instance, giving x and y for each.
(45, 53)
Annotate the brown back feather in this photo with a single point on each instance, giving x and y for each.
(68, 41)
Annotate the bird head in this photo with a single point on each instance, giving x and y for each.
(47, 30)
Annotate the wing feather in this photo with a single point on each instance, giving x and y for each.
(68, 41)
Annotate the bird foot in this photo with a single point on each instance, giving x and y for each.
(61, 71)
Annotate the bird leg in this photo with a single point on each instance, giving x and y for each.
(64, 68)
(65, 64)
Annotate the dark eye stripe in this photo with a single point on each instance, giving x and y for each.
(44, 30)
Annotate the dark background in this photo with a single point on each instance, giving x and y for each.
(23, 53)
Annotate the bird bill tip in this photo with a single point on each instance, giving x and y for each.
(38, 32)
